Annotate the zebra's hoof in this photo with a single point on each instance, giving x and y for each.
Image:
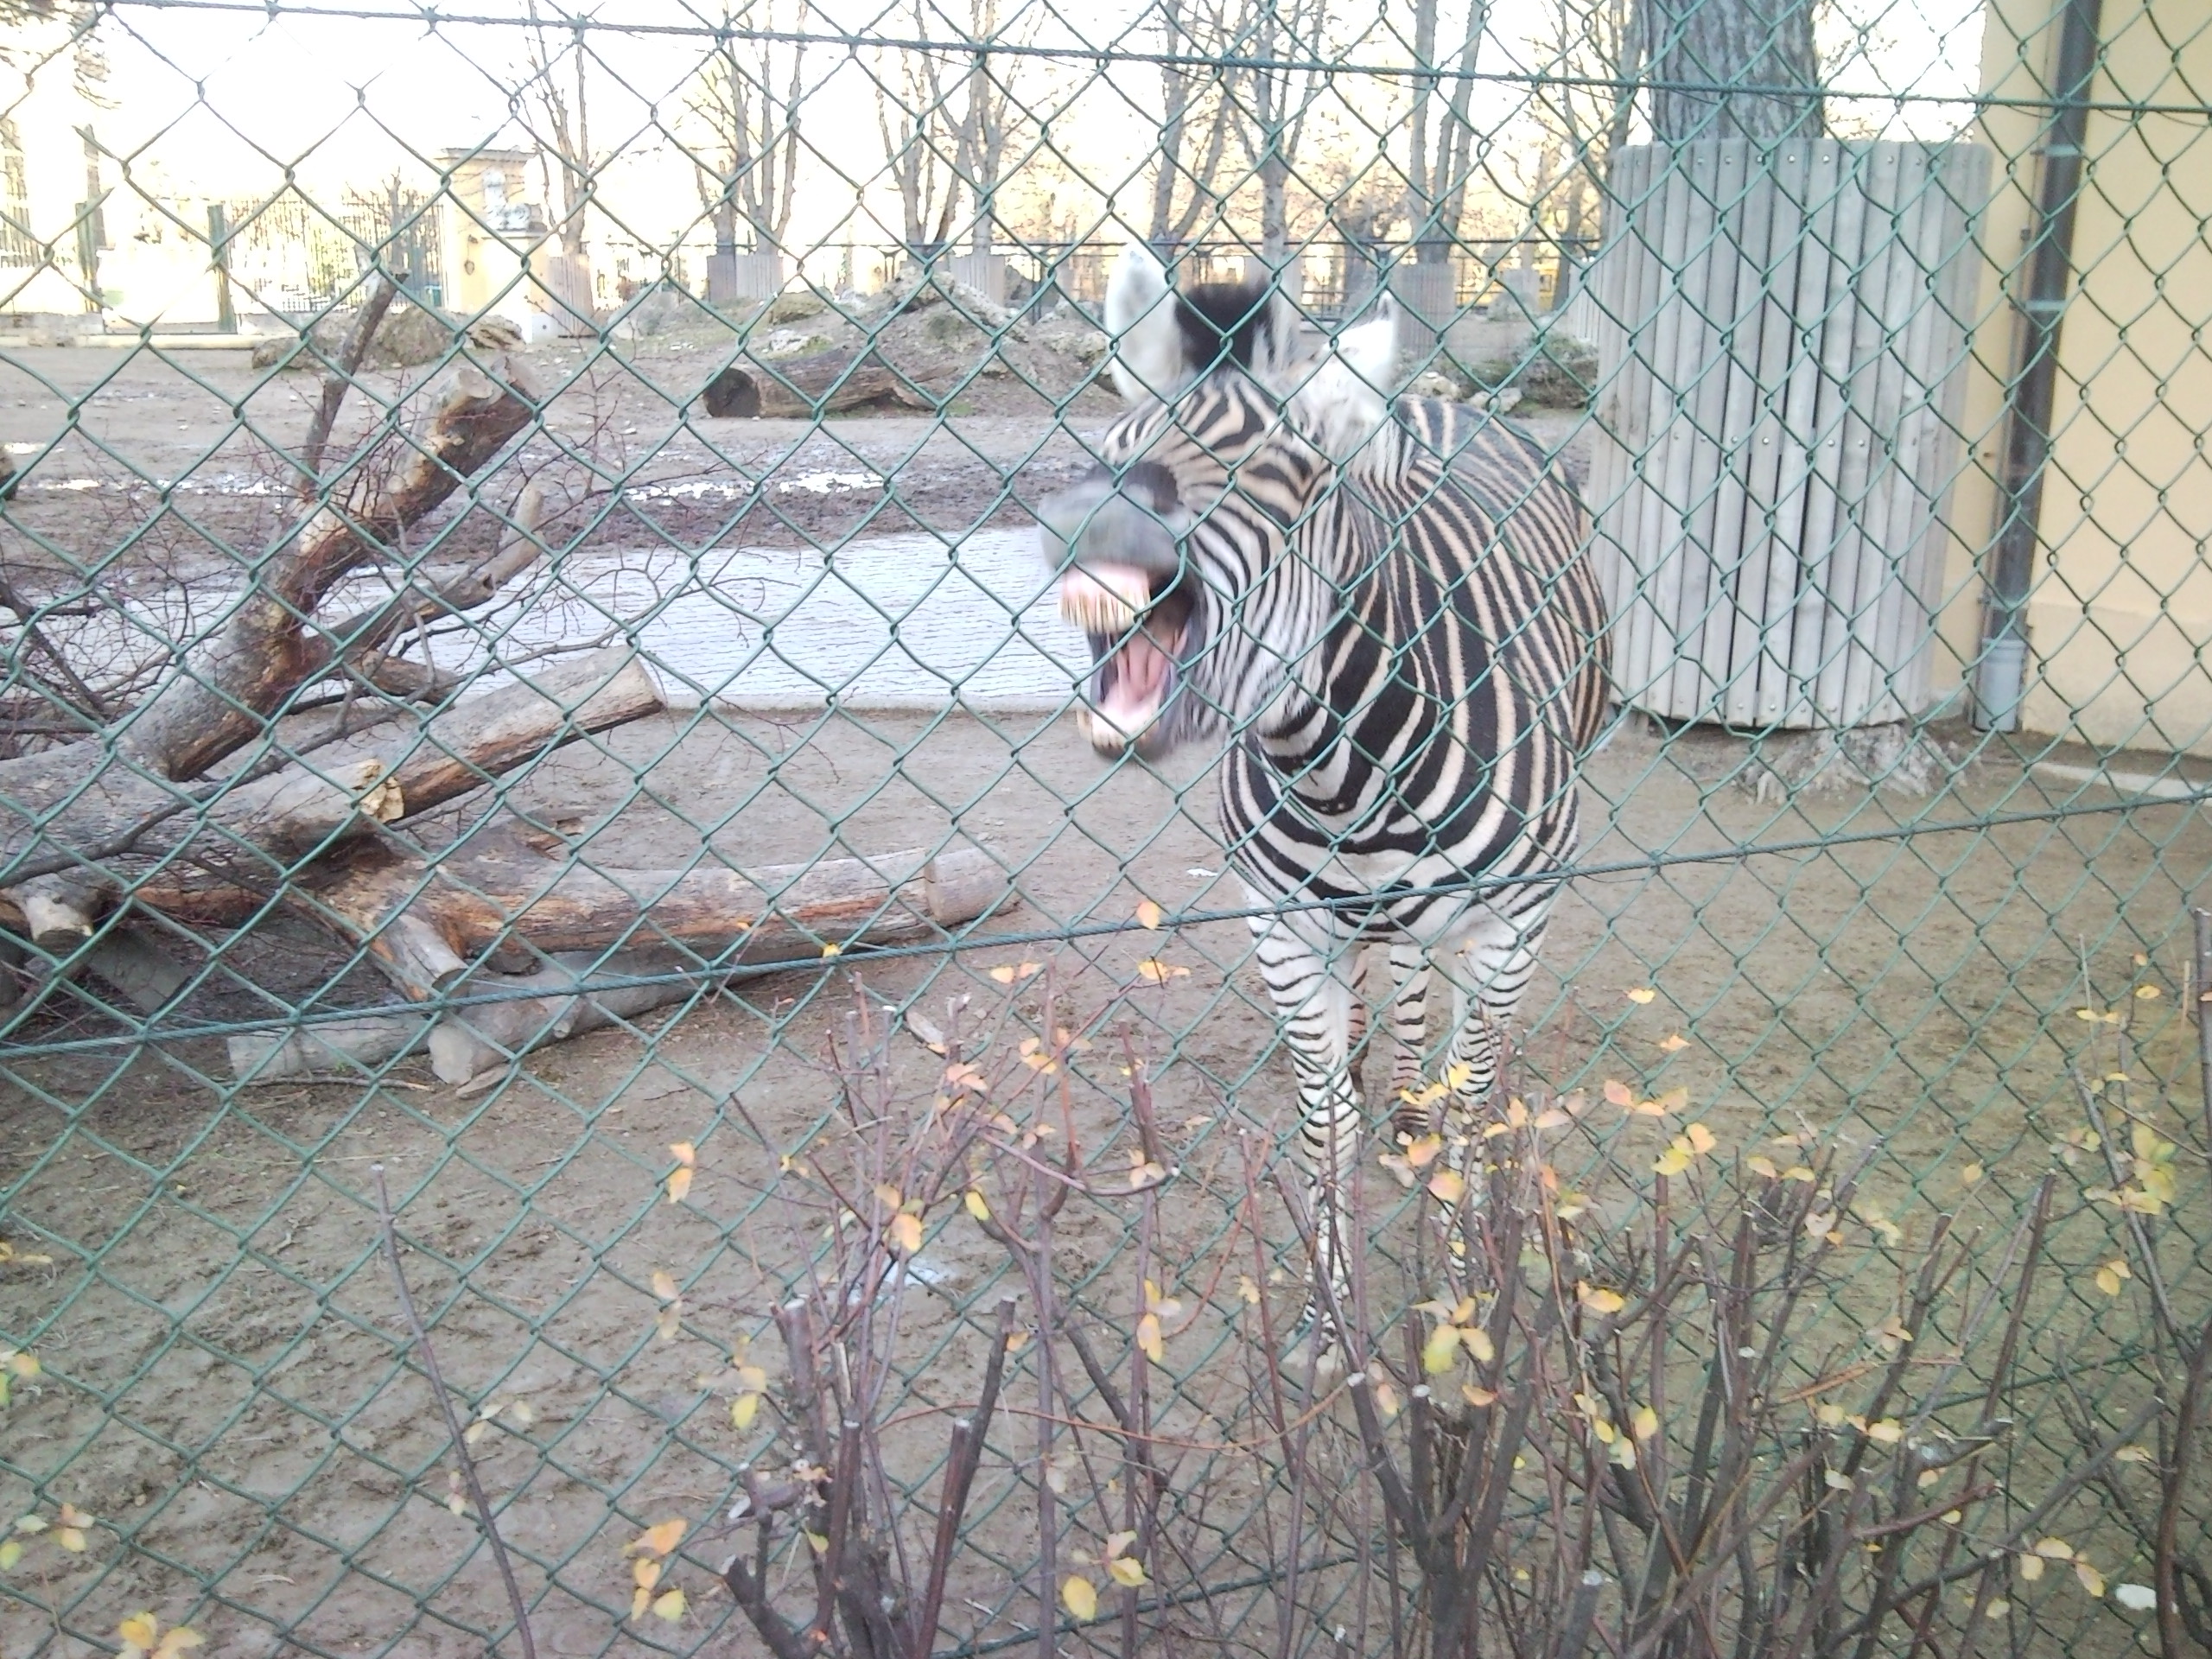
(1313, 1346)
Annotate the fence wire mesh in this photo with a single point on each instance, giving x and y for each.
(533, 689)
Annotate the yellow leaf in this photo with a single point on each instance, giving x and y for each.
(1459, 1075)
(2092, 1580)
(178, 1640)
(1762, 1166)
(1477, 1341)
(1125, 1572)
(1645, 1423)
(2109, 1277)
(1970, 1174)
(2147, 993)
(1160, 972)
(1888, 1431)
(1478, 1397)
(1674, 1042)
(1149, 1339)
(668, 1606)
(664, 1286)
(1603, 1302)
(1998, 1608)
(2032, 1567)
(1837, 1481)
(1080, 1598)
(1701, 1139)
(1641, 994)
(743, 1410)
(976, 1207)
(1829, 1413)
(139, 1631)
(1441, 1351)
(10, 1552)
(1147, 914)
(1006, 974)
(1446, 1186)
(1247, 1290)
(1623, 1453)
(455, 1504)
(1424, 1151)
(1387, 1398)
(679, 1185)
(639, 1600)
(906, 1234)
(669, 1321)
(70, 1538)
(1616, 1093)
(661, 1539)
(2054, 1549)
(683, 1152)
(645, 1573)
(816, 1542)
(2130, 1454)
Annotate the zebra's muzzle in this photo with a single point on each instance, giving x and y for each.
(1137, 635)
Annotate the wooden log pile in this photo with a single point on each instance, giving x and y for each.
(144, 818)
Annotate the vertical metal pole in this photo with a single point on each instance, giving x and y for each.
(2002, 670)
(219, 240)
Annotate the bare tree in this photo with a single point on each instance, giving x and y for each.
(1733, 69)
(921, 138)
(752, 165)
(568, 120)
(1197, 112)
(1439, 137)
(951, 130)
(1591, 59)
(1278, 96)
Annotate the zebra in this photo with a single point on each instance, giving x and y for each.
(1382, 614)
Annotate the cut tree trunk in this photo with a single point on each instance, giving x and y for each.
(244, 840)
(423, 926)
(849, 378)
(86, 799)
(336, 1049)
(574, 998)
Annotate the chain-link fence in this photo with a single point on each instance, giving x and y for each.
(593, 1063)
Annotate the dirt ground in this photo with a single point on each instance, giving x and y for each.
(223, 1385)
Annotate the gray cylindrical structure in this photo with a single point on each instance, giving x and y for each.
(1781, 341)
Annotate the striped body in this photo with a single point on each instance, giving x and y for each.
(1383, 616)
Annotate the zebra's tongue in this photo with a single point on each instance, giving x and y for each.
(1137, 682)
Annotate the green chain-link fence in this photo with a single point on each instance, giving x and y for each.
(520, 503)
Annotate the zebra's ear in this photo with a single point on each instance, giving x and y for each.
(1148, 358)
(1346, 398)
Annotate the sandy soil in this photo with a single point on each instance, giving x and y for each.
(225, 1388)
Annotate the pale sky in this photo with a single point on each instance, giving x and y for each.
(220, 102)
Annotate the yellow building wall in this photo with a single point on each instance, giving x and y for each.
(2120, 616)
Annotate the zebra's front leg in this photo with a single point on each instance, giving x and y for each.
(1489, 961)
(1309, 980)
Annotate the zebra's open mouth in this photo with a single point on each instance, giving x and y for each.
(1137, 622)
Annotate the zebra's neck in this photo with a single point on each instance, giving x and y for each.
(1344, 549)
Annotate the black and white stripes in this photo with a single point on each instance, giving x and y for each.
(1383, 613)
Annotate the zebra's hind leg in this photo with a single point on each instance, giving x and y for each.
(1409, 975)
(1308, 972)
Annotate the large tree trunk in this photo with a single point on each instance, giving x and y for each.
(238, 843)
(1700, 51)
(423, 925)
(86, 800)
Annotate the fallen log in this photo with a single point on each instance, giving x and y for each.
(93, 796)
(337, 1049)
(801, 388)
(246, 838)
(423, 924)
(575, 997)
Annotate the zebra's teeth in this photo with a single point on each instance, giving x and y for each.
(1104, 600)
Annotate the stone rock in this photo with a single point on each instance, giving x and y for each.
(795, 305)
(411, 334)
